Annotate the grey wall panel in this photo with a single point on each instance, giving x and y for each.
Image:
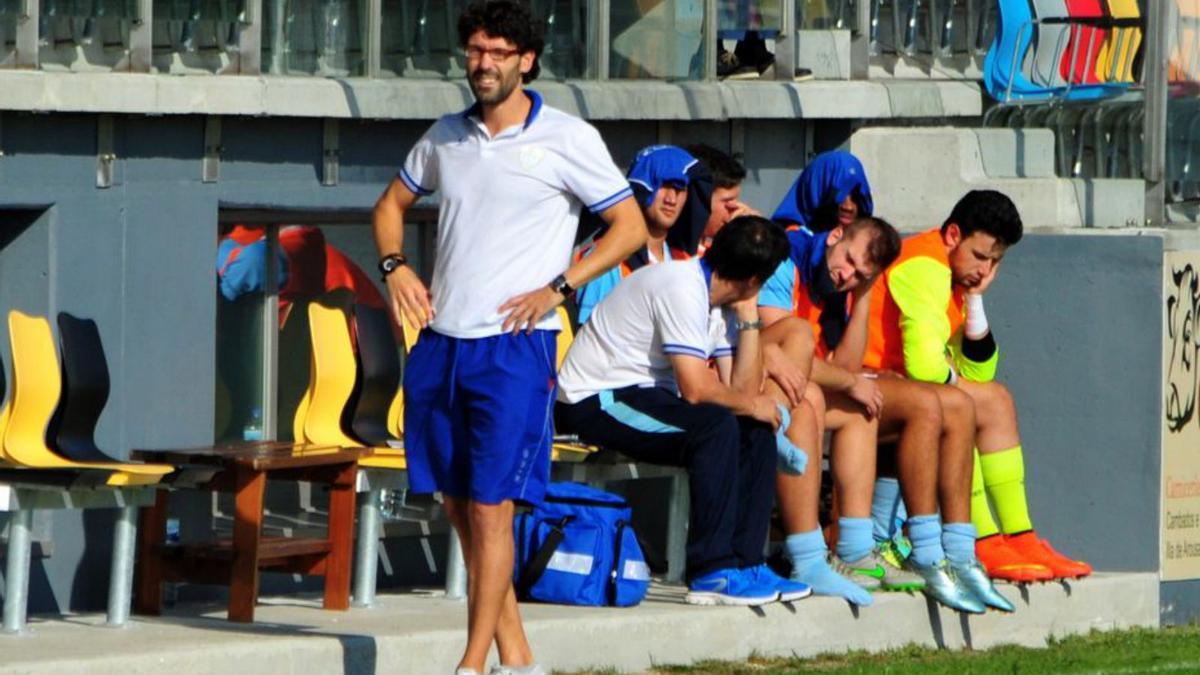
(263, 149)
(169, 317)
(1078, 320)
(774, 158)
(373, 152)
(1180, 602)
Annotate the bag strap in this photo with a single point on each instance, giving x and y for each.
(537, 566)
(615, 573)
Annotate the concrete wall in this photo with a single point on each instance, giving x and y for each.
(1078, 318)
(138, 257)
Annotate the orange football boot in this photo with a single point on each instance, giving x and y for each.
(1002, 562)
(1034, 550)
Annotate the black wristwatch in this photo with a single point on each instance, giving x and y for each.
(559, 285)
(390, 263)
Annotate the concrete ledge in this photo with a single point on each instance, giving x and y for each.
(130, 93)
(1020, 164)
(414, 634)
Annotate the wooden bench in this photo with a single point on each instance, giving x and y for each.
(244, 469)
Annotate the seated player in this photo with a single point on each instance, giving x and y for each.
(725, 198)
(928, 324)
(659, 179)
(824, 273)
(637, 378)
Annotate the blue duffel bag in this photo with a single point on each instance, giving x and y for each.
(578, 548)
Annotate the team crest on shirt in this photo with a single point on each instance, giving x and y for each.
(531, 156)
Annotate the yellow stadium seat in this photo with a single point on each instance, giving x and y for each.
(567, 452)
(332, 382)
(37, 387)
(332, 376)
(1114, 62)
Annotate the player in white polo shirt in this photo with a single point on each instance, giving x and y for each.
(637, 378)
(512, 175)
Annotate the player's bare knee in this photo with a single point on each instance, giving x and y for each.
(958, 408)
(996, 402)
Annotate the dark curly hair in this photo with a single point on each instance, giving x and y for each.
(508, 19)
(748, 248)
(988, 211)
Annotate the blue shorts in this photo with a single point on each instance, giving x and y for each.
(478, 415)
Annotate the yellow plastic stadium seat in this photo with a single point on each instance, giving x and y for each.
(567, 452)
(395, 418)
(333, 375)
(331, 383)
(3, 425)
(1114, 62)
(565, 337)
(37, 387)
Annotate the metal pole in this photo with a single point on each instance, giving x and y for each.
(27, 34)
(1154, 75)
(120, 581)
(864, 39)
(16, 574)
(141, 41)
(373, 45)
(456, 569)
(785, 44)
(366, 559)
(601, 26)
(270, 338)
(709, 38)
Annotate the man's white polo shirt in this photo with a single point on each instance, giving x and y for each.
(657, 311)
(509, 208)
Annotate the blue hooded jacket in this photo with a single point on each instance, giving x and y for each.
(824, 184)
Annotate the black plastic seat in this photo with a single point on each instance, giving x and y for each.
(379, 363)
(85, 390)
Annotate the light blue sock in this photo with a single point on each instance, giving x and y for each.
(901, 517)
(883, 508)
(926, 535)
(959, 541)
(854, 538)
(807, 553)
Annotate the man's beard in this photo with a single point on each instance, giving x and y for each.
(503, 90)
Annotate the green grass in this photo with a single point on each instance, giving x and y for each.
(1175, 650)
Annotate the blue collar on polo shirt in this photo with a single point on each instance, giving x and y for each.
(535, 99)
(707, 270)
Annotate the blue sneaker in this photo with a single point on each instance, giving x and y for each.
(729, 586)
(788, 590)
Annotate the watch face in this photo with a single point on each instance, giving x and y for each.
(390, 264)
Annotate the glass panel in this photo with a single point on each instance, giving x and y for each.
(333, 262)
(9, 11)
(567, 35)
(195, 35)
(825, 14)
(314, 37)
(85, 35)
(657, 39)
(1183, 111)
(241, 274)
(420, 39)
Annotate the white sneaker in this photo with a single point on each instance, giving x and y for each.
(531, 669)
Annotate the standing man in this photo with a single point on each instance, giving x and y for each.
(513, 175)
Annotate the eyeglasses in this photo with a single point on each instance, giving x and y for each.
(497, 53)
